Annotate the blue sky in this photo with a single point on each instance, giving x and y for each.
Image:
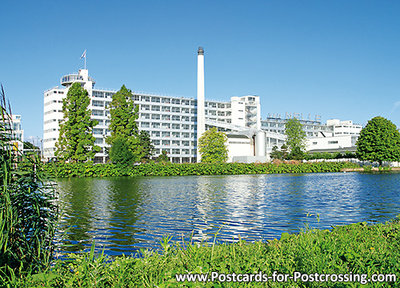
(338, 59)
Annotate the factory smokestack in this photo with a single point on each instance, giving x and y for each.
(201, 125)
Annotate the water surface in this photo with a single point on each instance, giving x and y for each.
(126, 214)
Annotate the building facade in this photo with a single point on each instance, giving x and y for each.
(171, 121)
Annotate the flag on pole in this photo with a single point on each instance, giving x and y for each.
(83, 54)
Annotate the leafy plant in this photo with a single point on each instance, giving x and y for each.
(28, 212)
(295, 138)
(76, 142)
(212, 146)
(379, 141)
(123, 126)
(352, 249)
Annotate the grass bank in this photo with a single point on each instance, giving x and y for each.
(348, 250)
(110, 170)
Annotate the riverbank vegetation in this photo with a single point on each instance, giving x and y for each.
(161, 169)
(28, 212)
(347, 250)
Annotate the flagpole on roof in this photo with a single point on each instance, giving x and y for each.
(84, 56)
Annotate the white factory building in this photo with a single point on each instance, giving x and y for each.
(176, 123)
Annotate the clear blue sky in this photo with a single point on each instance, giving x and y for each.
(339, 58)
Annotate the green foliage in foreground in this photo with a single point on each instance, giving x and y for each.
(357, 249)
(161, 169)
(28, 213)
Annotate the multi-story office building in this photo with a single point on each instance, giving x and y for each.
(176, 123)
(170, 121)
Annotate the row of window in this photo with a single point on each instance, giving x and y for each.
(176, 151)
(167, 134)
(168, 117)
(52, 102)
(174, 126)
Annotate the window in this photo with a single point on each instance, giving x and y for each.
(176, 101)
(155, 99)
(166, 134)
(165, 100)
(156, 142)
(155, 108)
(165, 142)
(98, 141)
(175, 142)
(97, 112)
(155, 134)
(166, 109)
(155, 125)
(145, 107)
(176, 126)
(176, 134)
(97, 131)
(96, 103)
(185, 135)
(333, 142)
(145, 125)
(166, 117)
(176, 109)
(145, 116)
(175, 151)
(155, 116)
(314, 143)
(176, 118)
(166, 125)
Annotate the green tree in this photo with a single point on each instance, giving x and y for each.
(212, 146)
(295, 138)
(123, 126)
(379, 141)
(120, 153)
(76, 142)
(276, 154)
(147, 146)
(163, 157)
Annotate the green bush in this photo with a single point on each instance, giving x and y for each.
(352, 249)
(161, 169)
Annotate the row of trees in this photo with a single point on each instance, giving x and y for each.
(76, 142)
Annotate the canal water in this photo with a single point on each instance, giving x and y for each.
(123, 215)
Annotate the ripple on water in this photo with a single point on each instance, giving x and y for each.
(126, 214)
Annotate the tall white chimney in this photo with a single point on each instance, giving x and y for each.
(201, 121)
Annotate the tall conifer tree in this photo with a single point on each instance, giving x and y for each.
(123, 126)
(76, 141)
